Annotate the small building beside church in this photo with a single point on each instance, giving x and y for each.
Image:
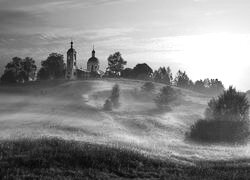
(74, 73)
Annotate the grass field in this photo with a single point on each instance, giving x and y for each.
(60, 159)
(58, 129)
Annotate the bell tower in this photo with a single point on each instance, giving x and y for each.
(71, 67)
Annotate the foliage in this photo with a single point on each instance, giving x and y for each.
(227, 119)
(166, 96)
(219, 131)
(210, 86)
(115, 64)
(148, 87)
(115, 95)
(108, 105)
(127, 73)
(19, 70)
(182, 80)
(163, 75)
(142, 71)
(229, 106)
(53, 67)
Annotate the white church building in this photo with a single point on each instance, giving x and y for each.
(74, 73)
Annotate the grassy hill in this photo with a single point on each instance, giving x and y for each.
(58, 126)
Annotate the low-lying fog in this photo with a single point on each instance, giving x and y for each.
(73, 110)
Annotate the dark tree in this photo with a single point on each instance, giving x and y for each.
(166, 96)
(163, 75)
(115, 95)
(19, 70)
(227, 119)
(230, 106)
(182, 80)
(127, 73)
(43, 74)
(52, 68)
(148, 87)
(210, 86)
(142, 71)
(115, 64)
(29, 68)
(9, 77)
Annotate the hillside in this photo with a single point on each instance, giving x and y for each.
(73, 111)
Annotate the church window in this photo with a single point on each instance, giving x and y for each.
(74, 63)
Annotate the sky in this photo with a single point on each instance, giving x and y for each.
(206, 38)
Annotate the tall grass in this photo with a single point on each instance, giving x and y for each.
(60, 159)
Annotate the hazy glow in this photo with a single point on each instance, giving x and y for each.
(223, 55)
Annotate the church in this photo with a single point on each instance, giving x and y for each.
(74, 73)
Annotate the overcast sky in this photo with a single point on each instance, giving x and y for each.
(206, 38)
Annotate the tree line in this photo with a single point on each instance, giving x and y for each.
(22, 70)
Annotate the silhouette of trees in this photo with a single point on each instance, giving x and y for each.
(165, 97)
(142, 71)
(52, 68)
(127, 73)
(19, 70)
(163, 75)
(211, 86)
(182, 80)
(227, 119)
(148, 87)
(115, 64)
(113, 100)
(115, 95)
(29, 68)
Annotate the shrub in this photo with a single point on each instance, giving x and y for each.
(219, 131)
(148, 87)
(230, 106)
(226, 119)
(108, 105)
(115, 95)
(165, 97)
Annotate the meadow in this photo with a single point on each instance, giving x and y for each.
(58, 129)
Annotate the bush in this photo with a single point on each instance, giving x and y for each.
(226, 119)
(210, 131)
(108, 105)
(230, 106)
(148, 87)
(165, 97)
(115, 95)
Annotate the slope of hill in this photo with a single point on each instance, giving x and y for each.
(73, 111)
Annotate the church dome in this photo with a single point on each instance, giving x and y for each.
(71, 50)
(93, 59)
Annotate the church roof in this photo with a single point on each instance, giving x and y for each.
(71, 48)
(93, 60)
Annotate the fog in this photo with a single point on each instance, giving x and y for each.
(74, 110)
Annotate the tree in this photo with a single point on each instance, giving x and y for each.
(115, 64)
(52, 68)
(127, 73)
(19, 70)
(210, 86)
(29, 68)
(227, 119)
(166, 96)
(182, 80)
(142, 71)
(163, 75)
(115, 95)
(148, 87)
(230, 106)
